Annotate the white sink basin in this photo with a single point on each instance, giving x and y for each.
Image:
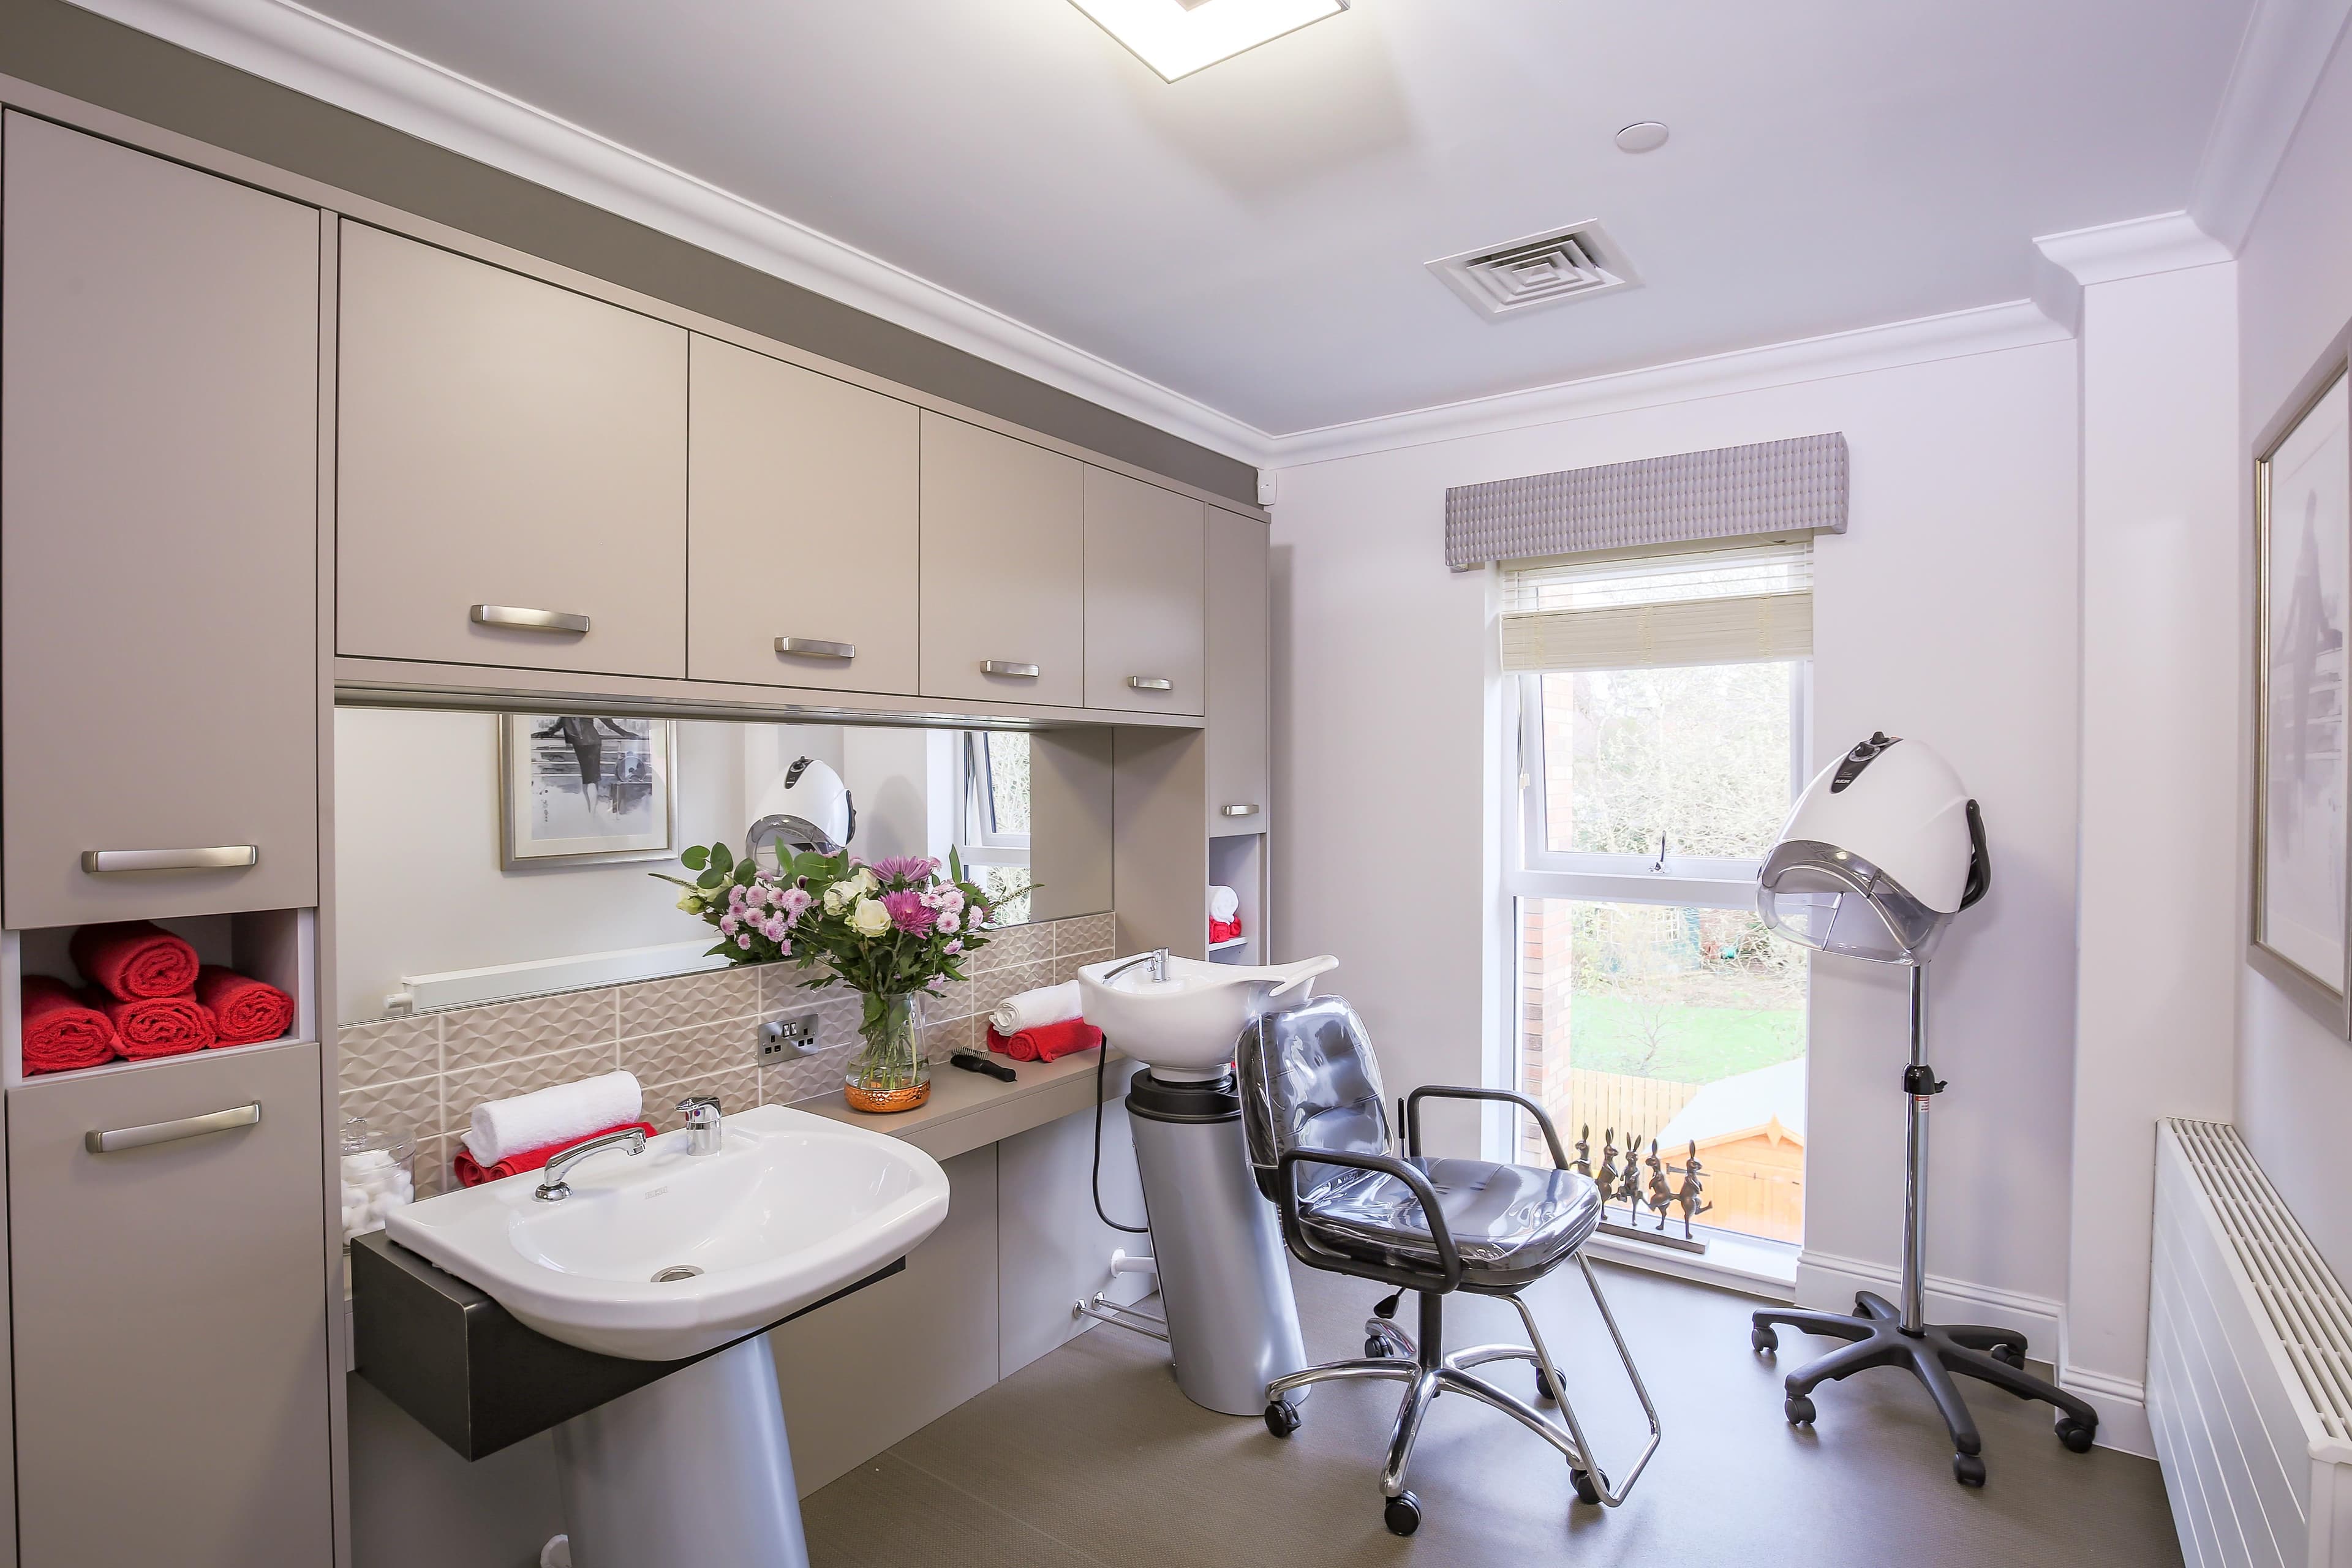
(1183, 1027)
(791, 1208)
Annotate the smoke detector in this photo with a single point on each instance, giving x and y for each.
(1571, 263)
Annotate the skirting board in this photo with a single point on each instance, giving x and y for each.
(1826, 1282)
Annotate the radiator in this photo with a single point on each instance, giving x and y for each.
(2250, 1363)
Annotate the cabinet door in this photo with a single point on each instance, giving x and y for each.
(802, 521)
(505, 445)
(1004, 567)
(159, 473)
(1238, 679)
(171, 1319)
(1143, 596)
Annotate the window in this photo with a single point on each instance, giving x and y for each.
(1654, 772)
(992, 831)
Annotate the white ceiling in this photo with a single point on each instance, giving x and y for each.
(1253, 236)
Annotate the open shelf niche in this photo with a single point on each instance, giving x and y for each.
(1239, 862)
(279, 946)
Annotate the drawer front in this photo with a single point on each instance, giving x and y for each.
(159, 462)
(1143, 596)
(802, 527)
(511, 468)
(168, 1305)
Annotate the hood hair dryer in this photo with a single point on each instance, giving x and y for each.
(1878, 855)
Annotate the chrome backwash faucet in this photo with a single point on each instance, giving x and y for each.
(702, 1112)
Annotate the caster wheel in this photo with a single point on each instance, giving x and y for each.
(1401, 1514)
(1543, 1392)
(2074, 1434)
(1763, 1338)
(1281, 1419)
(1967, 1469)
(1376, 1347)
(1799, 1410)
(1586, 1491)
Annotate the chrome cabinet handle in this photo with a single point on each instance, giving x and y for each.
(225, 857)
(1241, 811)
(1150, 684)
(515, 619)
(999, 667)
(121, 1138)
(816, 648)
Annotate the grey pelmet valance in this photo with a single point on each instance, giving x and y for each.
(1796, 486)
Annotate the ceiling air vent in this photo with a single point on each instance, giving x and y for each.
(1573, 263)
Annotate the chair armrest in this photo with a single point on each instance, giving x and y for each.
(1453, 1091)
(1449, 1257)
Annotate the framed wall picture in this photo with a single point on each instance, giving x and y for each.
(2302, 534)
(585, 790)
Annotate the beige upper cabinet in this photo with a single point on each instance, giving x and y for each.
(1004, 568)
(1143, 596)
(803, 518)
(159, 496)
(1238, 679)
(511, 468)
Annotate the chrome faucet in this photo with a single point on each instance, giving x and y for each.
(1156, 958)
(552, 1189)
(702, 1112)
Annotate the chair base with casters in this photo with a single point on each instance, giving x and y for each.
(1933, 1354)
(1318, 1130)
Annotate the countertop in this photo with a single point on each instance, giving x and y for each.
(967, 1111)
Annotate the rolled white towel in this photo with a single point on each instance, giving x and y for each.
(1224, 903)
(504, 1127)
(1035, 1009)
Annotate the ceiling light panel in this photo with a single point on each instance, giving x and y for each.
(1177, 37)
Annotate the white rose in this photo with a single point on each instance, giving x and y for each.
(691, 904)
(837, 897)
(864, 883)
(870, 918)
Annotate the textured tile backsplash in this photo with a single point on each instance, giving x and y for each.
(696, 1034)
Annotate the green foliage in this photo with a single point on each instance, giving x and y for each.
(695, 859)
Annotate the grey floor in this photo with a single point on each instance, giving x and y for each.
(1091, 1458)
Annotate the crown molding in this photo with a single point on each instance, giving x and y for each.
(1990, 328)
(323, 58)
(2136, 247)
(2280, 58)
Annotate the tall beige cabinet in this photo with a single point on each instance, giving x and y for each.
(160, 371)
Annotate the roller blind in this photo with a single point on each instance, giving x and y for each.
(1738, 604)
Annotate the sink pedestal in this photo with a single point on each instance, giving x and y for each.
(1225, 1281)
(693, 1469)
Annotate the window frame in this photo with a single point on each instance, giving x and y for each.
(979, 841)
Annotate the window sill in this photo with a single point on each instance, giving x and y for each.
(1746, 1264)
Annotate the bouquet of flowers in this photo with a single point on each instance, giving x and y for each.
(890, 930)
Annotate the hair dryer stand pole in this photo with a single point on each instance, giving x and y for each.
(1878, 1334)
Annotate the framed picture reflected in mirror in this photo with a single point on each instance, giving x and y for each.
(585, 790)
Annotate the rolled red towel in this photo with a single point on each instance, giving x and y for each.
(158, 1025)
(472, 1173)
(133, 961)
(60, 1031)
(246, 1010)
(1047, 1042)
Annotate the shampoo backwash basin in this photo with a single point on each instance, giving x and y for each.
(1232, 1324)
(668, 1254)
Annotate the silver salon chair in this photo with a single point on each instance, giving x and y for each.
(1318, 1133)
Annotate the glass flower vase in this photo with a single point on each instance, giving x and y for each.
(890, 1072)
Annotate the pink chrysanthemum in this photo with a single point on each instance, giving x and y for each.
(907, 911)
(895, 869)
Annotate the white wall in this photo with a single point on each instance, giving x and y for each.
(2162, 667)
(1947, 613)
(2294, 1074)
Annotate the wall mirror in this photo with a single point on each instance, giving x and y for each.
(482, 856)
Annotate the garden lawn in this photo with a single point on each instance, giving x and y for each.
(1695, 1045)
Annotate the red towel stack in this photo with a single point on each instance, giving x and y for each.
(60, 1032)
(472, 1173)
(1047, 1042)
(148, 997)
(1225, 931)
